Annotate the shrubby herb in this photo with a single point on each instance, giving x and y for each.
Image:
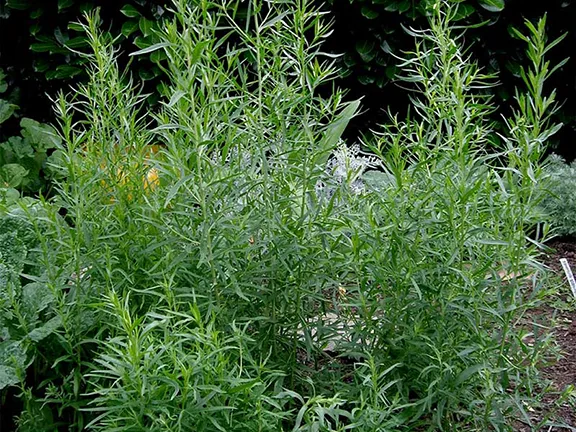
(559, 203)
(274, 279)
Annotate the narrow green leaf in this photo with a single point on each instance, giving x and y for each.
(273, 21)
(150, 49)
(467, 373)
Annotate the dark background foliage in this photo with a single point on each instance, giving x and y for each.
(370, 31)
(35, 37)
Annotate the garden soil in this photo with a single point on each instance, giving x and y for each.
(562, 373)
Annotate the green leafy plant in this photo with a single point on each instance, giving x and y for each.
(23, 158)
(560, 203)
(55, 39)
(22, 302)
(378, 27)
(370, 33)
(275, 278)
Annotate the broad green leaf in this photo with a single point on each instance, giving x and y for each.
(366, 50)
(19, 4)
(41, 65)
(45, 46)
(335, 130)
(129, 27)
(146, 74)
(158, 56)
(75, 27)
(77, 42)
(5, 273)
(15, 149)
(8, 376)
(8, 196)
(463, 11)
(62, 38)
(492, 5)
(349, 60)
(146, 26)
(6, 110)
(35, 298)
(130, 11)
(404, 6)
(13, 251)
(56, 167)
(46, 330)
(12, 360)
(36, 13)
(398, 6)
(369, 12)
(366, 79)
(35, 29)
(86, 7)
(391, 72)
(3, 85)
(65, 71)
(377, 180)
(41, 136)
(64, 4)
(12, 175)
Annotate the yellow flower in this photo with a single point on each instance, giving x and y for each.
(152, 180)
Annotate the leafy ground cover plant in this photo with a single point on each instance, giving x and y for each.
(559, 203)
(273, 278)
(23, 158)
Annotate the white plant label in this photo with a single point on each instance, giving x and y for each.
(569, 275)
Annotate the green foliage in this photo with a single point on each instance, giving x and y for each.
(22, 158)
(379, 35)
(22, 322)
(274, 278)
(55, 39)
(560, 202)
(371, 35)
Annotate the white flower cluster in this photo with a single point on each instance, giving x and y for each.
(347, 166)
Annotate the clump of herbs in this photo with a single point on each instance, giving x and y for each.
(266, 278)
